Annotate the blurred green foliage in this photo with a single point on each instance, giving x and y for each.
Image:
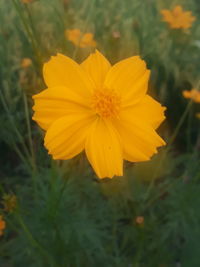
(65, 216)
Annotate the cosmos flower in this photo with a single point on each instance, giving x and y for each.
(99, 108)
(177, 18)
(2, 225)
(193, 94)
(80, 39)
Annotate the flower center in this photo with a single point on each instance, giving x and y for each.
(106, 103)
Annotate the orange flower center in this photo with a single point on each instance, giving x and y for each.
(106, 103)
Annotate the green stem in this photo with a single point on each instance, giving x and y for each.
(84, 29)
(189, 130)
(34, 44)
(32, 158)
(182, 119)
(29, 16)
(29, 131)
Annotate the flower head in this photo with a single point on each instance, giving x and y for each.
(101, 109)
(2, 225)
(139, 219)
(177, 18)
(192, 94)
(80, 39)
(26, 62)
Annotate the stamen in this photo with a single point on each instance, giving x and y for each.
(106, 103)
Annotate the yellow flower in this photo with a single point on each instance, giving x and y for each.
(177, 18)
(101, 109)
(192, 94)
(2, 225)
(80, 39)
(9, 202)
(26, 62)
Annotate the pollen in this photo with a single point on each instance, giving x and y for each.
(106, 103)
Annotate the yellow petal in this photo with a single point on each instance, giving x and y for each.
(167, 15)
(178, 10)
(103, 150)
(97, 66)
(148, 110)
(186, 93)
(139, 139)
(56, 102)
(128, 77)
(73, 35)
(63, 71)
(195, 95)
(134, 96)
(66, 136)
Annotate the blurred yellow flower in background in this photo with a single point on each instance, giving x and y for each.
(80, 39)
(139, 220)
(9, 202)
(192, 94)
(177, 18)
(198, 115)
(26, 62)
(2, 225)
(101, 109)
